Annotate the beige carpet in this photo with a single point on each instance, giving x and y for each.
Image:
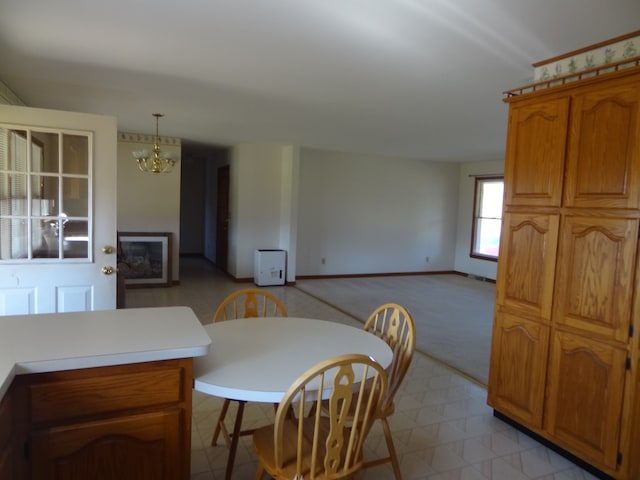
(453, 313)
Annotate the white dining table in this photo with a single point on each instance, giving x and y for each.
(257, 359)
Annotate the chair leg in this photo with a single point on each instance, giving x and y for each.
(219, 423)
(235, 436)
(391, 448)
(259, 473)
(392, 457)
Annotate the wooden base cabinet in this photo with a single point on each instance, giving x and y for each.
(141, 446)
(8, 441)
(122, 422)
(565, 358)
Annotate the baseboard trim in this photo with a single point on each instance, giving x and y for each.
(368, 275)
(365, 275)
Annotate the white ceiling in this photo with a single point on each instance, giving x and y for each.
(408, 78)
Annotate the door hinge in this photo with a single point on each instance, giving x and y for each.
(619, 458)
(627, 364)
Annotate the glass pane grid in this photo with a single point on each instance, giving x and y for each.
(44, 195)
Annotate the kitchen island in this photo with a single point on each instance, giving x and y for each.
(103, 391)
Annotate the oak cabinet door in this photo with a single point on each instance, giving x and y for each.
(584, 397)
(634, 460)
(527, 263)
(535, 152)
(594, 284)
(7, 435)
(603, 154)
(144, 447)
(518, 366)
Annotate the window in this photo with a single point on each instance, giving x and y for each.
(44, 194)
(487, 217)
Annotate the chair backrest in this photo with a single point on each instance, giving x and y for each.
(249, 303)
(328, 446)
(394, 324)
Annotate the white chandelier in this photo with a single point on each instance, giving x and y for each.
(160, 162)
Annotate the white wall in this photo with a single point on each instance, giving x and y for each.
(366, 214)
(149, 202)
(260, 175)
(463, 261)
(361, 213)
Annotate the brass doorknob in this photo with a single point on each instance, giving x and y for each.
(108, 270)
(107, 249)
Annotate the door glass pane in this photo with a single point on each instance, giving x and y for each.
(17, 151)
(50, 194)
(37, 153)
(75, 154)
(13, 238)
(18, 193)
(52, 230)
(75, 197)
(13, 204)
(48, 142)
(44, 241)
(76, 239)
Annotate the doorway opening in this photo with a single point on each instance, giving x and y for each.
(204, 203)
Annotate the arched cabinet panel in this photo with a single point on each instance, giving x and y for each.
(518, 366)
(527, 262)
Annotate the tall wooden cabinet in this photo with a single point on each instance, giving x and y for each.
(565, 359)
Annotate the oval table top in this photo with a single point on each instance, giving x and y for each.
(257, 359)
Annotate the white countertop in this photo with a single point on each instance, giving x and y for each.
(65, 341)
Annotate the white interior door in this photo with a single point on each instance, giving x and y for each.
(57, 211)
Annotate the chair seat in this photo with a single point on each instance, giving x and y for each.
(264, 447)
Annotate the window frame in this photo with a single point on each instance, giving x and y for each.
(479, 180)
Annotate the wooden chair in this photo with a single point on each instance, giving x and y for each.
(245, 303)
(248, 303)
(393, 324)
(320, 446)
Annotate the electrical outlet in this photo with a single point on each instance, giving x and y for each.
(323, 260)
(427, 259)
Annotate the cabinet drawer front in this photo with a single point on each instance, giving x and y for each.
(76, 397)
